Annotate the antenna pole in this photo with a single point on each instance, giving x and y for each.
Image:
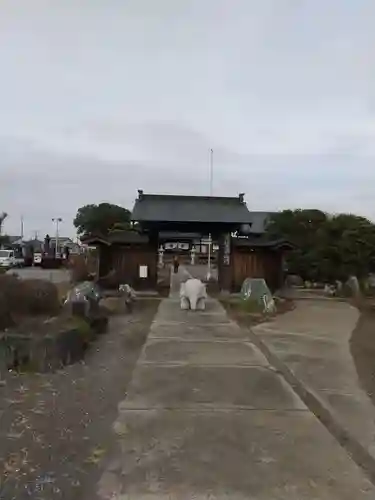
(211, 193)
(211, 171)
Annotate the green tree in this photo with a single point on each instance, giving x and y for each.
(300, 227)
(4, 240)
(347, 246)
(101, 219)
(327, 247)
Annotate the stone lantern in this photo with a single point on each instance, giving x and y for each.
(161, 255)
(193, 252)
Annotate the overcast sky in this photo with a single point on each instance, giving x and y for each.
(99, 98)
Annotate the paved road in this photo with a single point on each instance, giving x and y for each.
(207, 417)
(54, 275)
(322, 345)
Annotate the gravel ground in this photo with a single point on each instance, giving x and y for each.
(56, 429)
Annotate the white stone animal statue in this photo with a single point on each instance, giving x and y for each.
(129, 294)
(193, 295)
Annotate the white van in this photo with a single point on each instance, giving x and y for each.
(8, 259)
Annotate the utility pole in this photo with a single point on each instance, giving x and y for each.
(21, 227)
(57, 221)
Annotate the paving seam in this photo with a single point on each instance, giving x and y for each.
(322, 412)
(177, 323)
(207, 341)
(336, 391)
(177, 364)
(202, 408)
(308, 335)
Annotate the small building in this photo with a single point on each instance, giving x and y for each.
(64, 242)
(130, 254)
(242, 247)
(258, 257)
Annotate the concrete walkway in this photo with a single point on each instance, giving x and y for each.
(313, 346)
(206, 417)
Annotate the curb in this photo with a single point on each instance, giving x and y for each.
(323, 413)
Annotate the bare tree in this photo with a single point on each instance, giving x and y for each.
(3, 216)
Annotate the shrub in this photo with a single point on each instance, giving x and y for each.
(82, 326)
(40, 297)
(26, 297)
(251, 306)
(6, 319)
(8, 289)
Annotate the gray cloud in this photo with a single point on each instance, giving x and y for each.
(100, 98)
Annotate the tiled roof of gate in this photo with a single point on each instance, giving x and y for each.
(176, 235)
(261, 242)
(115, 237)
(173, 208)
(127, 237)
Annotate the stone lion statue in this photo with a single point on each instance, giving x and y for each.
(193, 295)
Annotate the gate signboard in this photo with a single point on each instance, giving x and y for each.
(226, 253)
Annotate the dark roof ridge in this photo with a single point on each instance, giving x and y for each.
(189, 197)
(172, 208)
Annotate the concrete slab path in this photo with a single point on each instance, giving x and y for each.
(314, 342)
(207, 417)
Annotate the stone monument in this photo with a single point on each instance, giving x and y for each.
(256, 290)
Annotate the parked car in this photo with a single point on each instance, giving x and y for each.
(8, 259)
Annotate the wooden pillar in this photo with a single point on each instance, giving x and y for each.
(283, 271)
(225, 262)
(104, 258)
(153, 248)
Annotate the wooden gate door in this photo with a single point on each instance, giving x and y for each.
(247, 265)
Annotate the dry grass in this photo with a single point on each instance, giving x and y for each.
(19, 298)
(248, 313)
(63, 289)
